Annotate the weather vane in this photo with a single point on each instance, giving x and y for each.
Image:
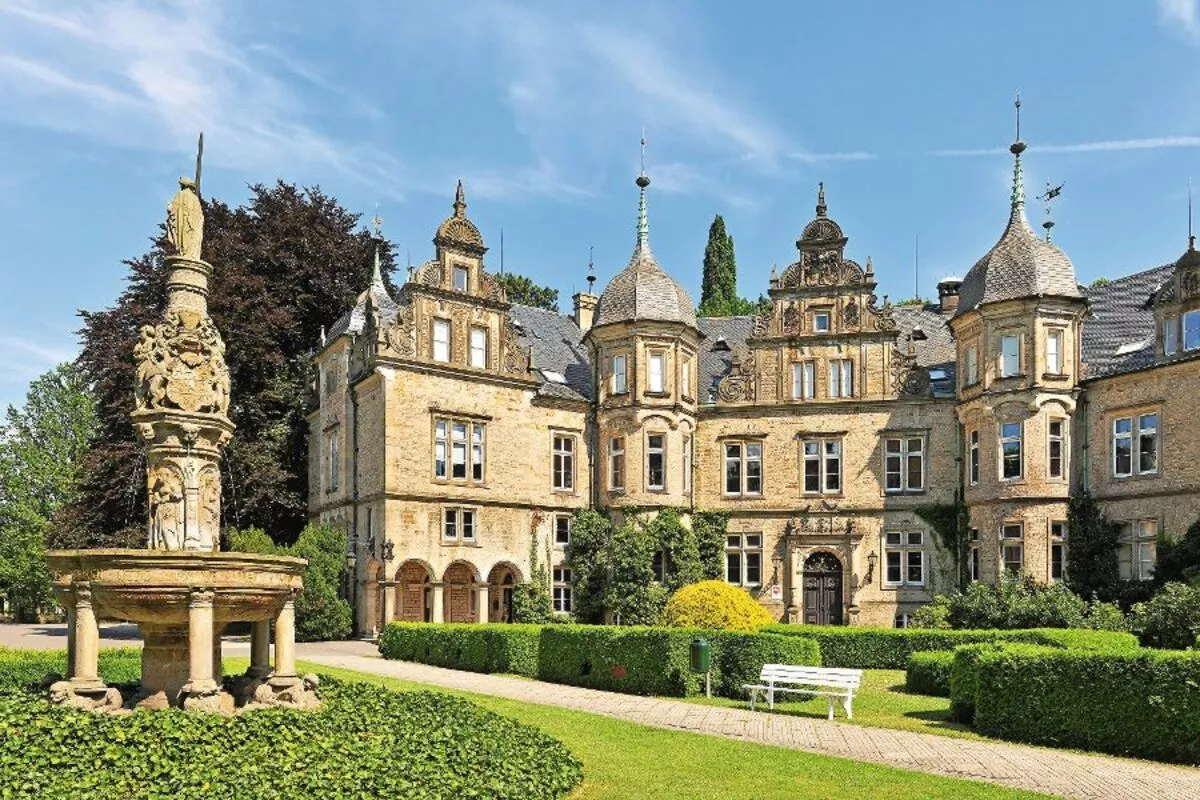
(643, 151)
(377, 223)
(1047, 196)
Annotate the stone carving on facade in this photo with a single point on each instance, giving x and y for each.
(491, 288)
(513, 358)
(908, 378)
(398, 336)
(850, 314)
(429, 274)
(739, 386)
(181, 365)
(165, 485)
(762, 326)
(210, 505)
(185, 221)
(791, 320)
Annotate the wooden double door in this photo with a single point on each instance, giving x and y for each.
(822, 590)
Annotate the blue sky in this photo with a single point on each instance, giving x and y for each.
(903, 109)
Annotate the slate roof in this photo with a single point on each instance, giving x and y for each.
(1021, 264)
(1121, 318)
(642, 291)
(936, 351)
(715, 362)
(557, 347)
(354, 319)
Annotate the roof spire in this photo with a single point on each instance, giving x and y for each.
(1191, 237)
(643, 222)
(1016, 148)
(460, 201)
(591, 275)
(821, 199)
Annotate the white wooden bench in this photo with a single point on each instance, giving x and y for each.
(832, 683)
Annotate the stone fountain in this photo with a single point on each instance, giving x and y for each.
(181, 591)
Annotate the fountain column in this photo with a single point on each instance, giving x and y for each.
(260, 649)
(85, 668)
(200, 642)
(285, 644)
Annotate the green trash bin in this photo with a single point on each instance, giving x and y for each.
(701, 655)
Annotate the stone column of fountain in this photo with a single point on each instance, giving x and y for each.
(180, 590)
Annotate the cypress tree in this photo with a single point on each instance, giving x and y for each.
(718, 294)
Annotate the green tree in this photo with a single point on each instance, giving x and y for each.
(587, 558)
(1179, 559)
(718, 289)
(531, 602)
(527, 293)
(40, 447)
(1092, 569)
(285, 265)
(633, 593)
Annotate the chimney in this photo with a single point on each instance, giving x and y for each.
(585, 309)
(948, 295)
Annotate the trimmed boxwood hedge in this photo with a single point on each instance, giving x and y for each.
(478, 648)
(1144, 704)
(28, 668)
(629, 659)
(889, 648)
(364, 742)
(928, 673)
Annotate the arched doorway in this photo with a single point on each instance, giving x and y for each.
(501, 581)
(414, 598)
(822, 589)
(459, 593)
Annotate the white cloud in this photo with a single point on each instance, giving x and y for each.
(148, 76)
(1183, 14)
(24, 358)
(1105, 146)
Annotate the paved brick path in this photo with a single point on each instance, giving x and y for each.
(1038, 769)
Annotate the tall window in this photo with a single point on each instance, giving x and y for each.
(903, 558)
(562, 530)
(1011, 434)
(821, 322)
(335, 459)
(656, 461)
(1012, 546)
(619, 386)
(687, 464)
(479, 337)
(1057, 445)
(743, 468)
(441, 340)
(1058, 550)
(743, 559)
(1010, 356)
(1170, 335)
(822, 466)
(564, 462)
(461, 279)
(973, 554)
(656, 367)
(458, 525)
(562, 590)
(1135, 444)
(972, 365)
(685, 377)
(1054, 342)
(616, 463)
(804, 380)
(1191, 330)
(464, 443)
(904, 464)
(1137, 551)
(973, 458)
(841, 377)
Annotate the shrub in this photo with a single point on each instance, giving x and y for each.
(964, 679)
(25, 668)
(1171, 619)
(715, 605)
(511, 649)
(1017, 603)
(889, 648)
(640, 660)
(321, 614)
(1144, 703)
(1179, 559)
(929, 673)
(364, 742)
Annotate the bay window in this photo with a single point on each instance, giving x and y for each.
(656, 370)
(1058, 550)
(619, 385)
(656, 461)
(1010, 356)
(1011, 436)
(1054, 360)
(1012, 546)
(616, 463)
(1056, 442)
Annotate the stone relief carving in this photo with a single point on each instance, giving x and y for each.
(791, 320)
(850, 314)
(490, 288)
(165, 484)
(513, 358)
(399, 335)
(739, 385)
(181, 365)
(210, 506)
(185, 220)
(908, 379)
(762, 326)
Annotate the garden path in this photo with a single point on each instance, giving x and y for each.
(1058, 772)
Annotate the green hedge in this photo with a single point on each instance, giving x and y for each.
(629, 659)
(512, 649)
(27, 668)
(889, 648)
(1144, 704)
(928, 673)
(364, 742)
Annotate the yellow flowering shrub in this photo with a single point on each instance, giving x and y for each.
(715, 605)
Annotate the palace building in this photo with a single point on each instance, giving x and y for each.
(454, 432)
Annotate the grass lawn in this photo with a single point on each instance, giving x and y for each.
(881, 702)
(625, 761)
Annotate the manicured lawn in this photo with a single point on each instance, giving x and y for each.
(881, 702)
(625, 761)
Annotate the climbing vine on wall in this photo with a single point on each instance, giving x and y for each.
(952, 525)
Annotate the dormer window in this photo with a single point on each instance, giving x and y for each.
(1170, 335)
(1191, 330)
(821, 322)
(461, 279)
